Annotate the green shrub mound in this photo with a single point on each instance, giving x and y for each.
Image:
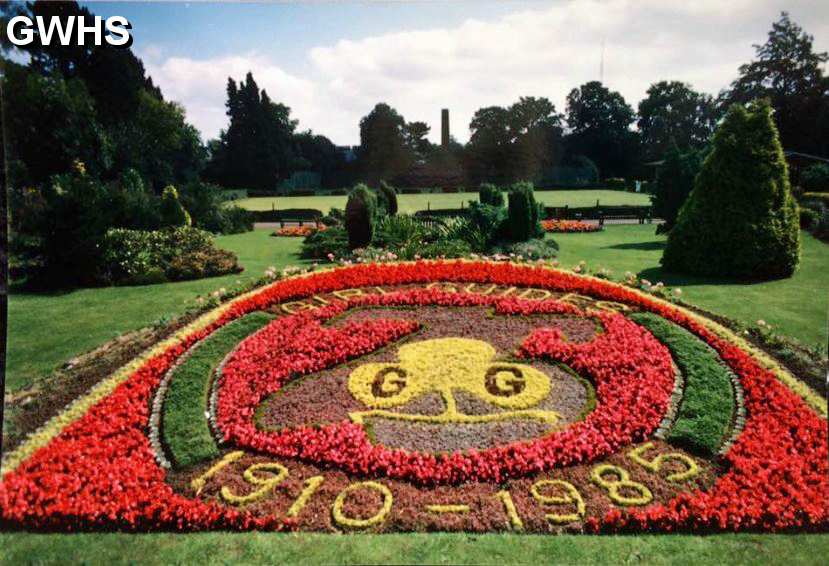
(741, 219)
(184, 427)
(360, 213)
(705, 414)
(491, 195)
(134, 257)
(523, 213)
(389, 198)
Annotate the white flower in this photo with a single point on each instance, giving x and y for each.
(677, 292)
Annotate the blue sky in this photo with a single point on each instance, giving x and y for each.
(331, 62)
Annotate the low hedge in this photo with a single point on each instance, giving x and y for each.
(184, 427)
(705, 415)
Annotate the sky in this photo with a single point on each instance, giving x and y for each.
(332, 62)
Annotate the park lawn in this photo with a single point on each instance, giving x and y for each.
(46, 330)
(412, 203)
(796, 307)
(421, 548)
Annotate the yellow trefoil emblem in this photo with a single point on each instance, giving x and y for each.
(445, 365)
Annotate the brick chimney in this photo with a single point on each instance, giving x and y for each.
(444, 127)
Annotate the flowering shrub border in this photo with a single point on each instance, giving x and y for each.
(93, 466)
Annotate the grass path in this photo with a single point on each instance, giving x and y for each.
(432, 548)
(413, 203)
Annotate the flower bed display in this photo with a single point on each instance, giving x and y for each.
(299, 231)
(566, 226)
(445, 395)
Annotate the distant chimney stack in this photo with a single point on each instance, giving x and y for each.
(444, 127)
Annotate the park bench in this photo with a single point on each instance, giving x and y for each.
(600, 213)
(295, 215)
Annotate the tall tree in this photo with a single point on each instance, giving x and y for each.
(257, 150)
(489, 151)
(672, 112)
(536, 130)
(383, 151)
(787, 70)
(415, 134)
(599, 121)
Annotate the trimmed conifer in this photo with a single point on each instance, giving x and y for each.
(522, 213)
(741, 219)
(359, 216)
(389, 196)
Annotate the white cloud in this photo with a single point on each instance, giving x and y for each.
(540, 52)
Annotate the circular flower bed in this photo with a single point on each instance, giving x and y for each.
(450, 395)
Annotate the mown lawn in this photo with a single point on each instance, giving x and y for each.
(413, 203)
(432, 548)
(47, 329)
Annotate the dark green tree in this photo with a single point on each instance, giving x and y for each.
(788, 71)
(674, 183)
(360, 211)
(522, 213)
(741, 219)
(257, 150)
(599, 121)
(383, 152)
(317, 153)
(672, 112)
(415, 134)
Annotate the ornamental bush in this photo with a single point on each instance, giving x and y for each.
(523, 213)
(172, 212)
(741, 219)
(134, 257)
(360, 213)
(491, 195)
(388, 195)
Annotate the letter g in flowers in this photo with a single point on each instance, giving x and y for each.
(443, 366)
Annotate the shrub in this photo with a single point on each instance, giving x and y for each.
(205, 204)
(172, 212)
(816, 178)
(491, 195)
(335, 217)
(741, 219)
(360, 211)
(674, 184)
(389, 198)
(399, 231)
(490, 220)
(170, 254)
(536, 248)
(318, 245)
(523, 213)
